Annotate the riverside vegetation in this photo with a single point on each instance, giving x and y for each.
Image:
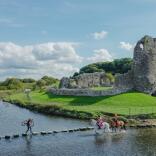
(126, 104)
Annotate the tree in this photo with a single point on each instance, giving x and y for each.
(28, 80)
(49, 80)
(40, 83)
(12, 83)
(117, 66)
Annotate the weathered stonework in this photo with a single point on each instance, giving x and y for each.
(144, 66)
(86, 80)
(142, 76)
(87, 92)
(124, 81)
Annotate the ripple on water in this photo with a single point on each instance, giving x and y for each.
(139, 142)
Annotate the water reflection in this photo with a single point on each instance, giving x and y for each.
(11, 117)
(131, 143)
(141, 142)
(28, 142)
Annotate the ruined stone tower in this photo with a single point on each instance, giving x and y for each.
(142, 76)
(144, 65)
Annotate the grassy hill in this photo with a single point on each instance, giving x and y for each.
(132, 103)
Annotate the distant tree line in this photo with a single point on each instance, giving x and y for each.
(16, 83)
(117, 66)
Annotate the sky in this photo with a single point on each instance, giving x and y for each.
(58, 37)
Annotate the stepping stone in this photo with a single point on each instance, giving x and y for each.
(43, 133)
(15, 135)
(90, 128)
(24, 134)
(70, 130)
(76, 129)
(35, 133)
(7, 137)
(64, 131)
(83, 129)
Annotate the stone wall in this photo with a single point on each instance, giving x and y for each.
(87, 92)
(142, 76)
(144, 66)
(86, 80)
(124, 81)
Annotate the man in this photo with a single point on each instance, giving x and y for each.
(29, 123)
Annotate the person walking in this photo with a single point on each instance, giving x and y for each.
(29, 123)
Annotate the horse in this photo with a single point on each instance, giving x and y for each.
(105, 126)
(118, 125)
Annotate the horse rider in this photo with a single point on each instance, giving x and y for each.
(100, 122)
(116, 119)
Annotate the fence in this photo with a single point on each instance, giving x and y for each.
(132, 110)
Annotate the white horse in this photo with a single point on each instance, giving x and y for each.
(105, 126)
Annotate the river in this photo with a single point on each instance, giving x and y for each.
(141, 142)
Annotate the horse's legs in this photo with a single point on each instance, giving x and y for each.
(113, 129)
(95, 129)
(116, 128)
(124, 126)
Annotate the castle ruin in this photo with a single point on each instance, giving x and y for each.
(87, 80)
(142, 76)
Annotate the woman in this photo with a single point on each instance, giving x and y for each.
(100, 122)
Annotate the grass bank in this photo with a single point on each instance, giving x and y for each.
(6, 93)
(127, 104)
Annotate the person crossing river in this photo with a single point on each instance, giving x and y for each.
(29, 123)
(100, 122)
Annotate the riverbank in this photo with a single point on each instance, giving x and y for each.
(6, 93)
(129, 105)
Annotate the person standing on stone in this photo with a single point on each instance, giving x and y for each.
(29, 123)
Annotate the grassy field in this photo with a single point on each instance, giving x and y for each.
(101, 88)
(4, 93)
(132, 103)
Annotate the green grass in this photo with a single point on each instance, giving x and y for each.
(28, 85)
(132, 103)
(5, 93)
(101, 88)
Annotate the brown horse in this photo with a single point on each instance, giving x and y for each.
(117, 125)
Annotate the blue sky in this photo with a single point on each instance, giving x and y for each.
(84, 31)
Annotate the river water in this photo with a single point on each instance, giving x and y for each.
(131, 143)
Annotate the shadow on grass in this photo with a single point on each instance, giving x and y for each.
(79, 100)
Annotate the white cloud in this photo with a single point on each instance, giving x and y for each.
(100, 55)
(126, 46)
(99, 35)
(54, 58)
(57, 59)
(60, 52)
